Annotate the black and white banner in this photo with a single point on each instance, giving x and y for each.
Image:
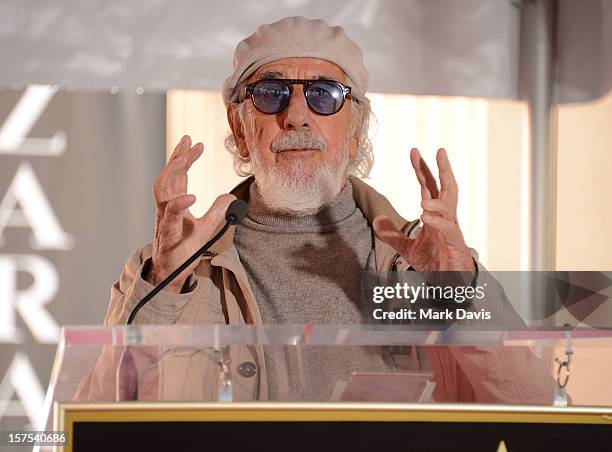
(76, 171)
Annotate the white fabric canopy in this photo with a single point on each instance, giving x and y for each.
(442, 47)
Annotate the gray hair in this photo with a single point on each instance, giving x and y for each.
(360, 165)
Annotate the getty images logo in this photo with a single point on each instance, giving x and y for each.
(25, 205)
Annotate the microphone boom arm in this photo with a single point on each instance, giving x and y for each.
(235, 213)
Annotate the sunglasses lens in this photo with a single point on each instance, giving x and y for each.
(270, 96)
(325, 98)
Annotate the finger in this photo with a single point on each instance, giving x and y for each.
(172, 181)
(425, 192)
(216, 214)
(182, 163)
(178, 205)
(167, 186)
(448, 228)
(389, 233)
(423, 173)
(174, 212)
(166, 172)
(415, 157)
(439, 207)
(448, 183)
(181, 147)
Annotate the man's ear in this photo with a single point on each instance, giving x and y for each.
(237, 129)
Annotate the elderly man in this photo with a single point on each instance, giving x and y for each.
(298, 113)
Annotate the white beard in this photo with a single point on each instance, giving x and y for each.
(295, 187)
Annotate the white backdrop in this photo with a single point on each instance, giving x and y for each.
(441, 47)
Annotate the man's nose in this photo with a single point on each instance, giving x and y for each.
(297, 113)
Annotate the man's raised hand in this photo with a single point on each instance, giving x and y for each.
(178, 234)
(440, 245)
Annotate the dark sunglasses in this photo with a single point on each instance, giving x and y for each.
(324, 97)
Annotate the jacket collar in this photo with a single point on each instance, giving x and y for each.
(369, 201)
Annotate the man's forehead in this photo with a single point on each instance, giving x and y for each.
(308, 68)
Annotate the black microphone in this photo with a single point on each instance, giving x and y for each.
(235, 213)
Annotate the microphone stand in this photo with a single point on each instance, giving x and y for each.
(127, 373)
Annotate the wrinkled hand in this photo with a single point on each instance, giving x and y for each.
(440, 245)
(178, 234)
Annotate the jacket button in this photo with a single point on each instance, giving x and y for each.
(247, 369)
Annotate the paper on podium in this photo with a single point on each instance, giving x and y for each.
(400, 387)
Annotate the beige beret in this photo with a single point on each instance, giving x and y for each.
(297, 37)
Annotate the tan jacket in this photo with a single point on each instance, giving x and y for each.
(220, 293)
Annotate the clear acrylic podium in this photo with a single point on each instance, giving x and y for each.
(131, 383)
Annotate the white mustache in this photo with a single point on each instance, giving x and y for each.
(298, 140)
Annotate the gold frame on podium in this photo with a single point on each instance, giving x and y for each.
(66, 414)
